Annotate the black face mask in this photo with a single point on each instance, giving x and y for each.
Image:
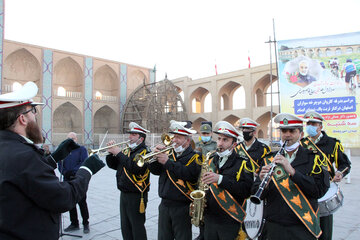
(247, 135)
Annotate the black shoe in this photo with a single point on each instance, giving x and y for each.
(86, 228)
(71, 228)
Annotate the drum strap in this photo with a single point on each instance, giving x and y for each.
(240, 149)
(226, 201)
(184, 187)
(297, 201)
(309, 144)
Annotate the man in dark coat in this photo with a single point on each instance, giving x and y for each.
(299, 179)
(334, 154)
(132, 181)
(68, 168)
(179, 171)
(229, 179)
(251, 147)
(31, 196)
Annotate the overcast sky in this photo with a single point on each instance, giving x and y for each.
(183, 38)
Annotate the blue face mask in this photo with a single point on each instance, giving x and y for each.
(205, 138)
(311, 130)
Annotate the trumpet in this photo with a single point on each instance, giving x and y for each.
(256, 197)
(96, 151)
(149, 158)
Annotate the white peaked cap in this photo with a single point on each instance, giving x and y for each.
(248, 123)
(287, 120)
(179, 128)
(20, 97)
(136, 128)
(225, 128)
(313, 116)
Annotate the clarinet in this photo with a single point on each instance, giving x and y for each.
(256, 197)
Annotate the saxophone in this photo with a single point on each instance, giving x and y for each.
(198, 205)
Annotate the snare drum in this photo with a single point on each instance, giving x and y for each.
(331, 201)
(254, 220)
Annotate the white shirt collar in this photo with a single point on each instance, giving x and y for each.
(319, 137)
(27, 140)
(248, 147)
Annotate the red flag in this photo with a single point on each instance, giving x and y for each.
(215, 69)
(249, 61)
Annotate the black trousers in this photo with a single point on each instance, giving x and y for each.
(84, 213)
(132, 221)
(174, 223)
(326, 225)
(277, 231)
(215, 230)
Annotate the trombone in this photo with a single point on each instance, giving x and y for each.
(96, 151)
(149, 158)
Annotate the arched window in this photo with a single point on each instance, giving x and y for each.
(239, 98)
(61, 92)
(208, 103)
(16, 86)
(98, 95)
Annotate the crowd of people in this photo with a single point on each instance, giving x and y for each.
(32, 197)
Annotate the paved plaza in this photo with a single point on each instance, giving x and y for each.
(103, 201)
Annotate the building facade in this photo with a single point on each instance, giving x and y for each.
(81, 93)
(255, 83)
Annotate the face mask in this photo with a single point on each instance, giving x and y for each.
(247, 136)
(227, 152)
(311, 130)
(179, 149)
(134, 145)
(205, 138)
(292, 147)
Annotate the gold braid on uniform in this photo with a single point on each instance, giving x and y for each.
(335, 153)
(196, 158)
(198, 161)
(318, 163)
(243, 165)
(142, 178)
(265, 152)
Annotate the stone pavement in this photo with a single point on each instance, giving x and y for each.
(103, 202)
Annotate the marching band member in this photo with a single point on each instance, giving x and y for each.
(179, 170)
(205, 145)
(300, 178)
(251, 147)
(334, 154)
(132, 181)
(230, 183)
(31, 196)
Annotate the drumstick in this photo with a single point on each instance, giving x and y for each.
(342, 172)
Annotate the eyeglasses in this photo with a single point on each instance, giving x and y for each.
(32, 109)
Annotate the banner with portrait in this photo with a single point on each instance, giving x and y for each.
(322, 74)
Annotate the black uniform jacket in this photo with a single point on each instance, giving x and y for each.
(120, 161)
(327, 146)
(257, 151)
(31, 196)
(240, 189)
(313, 186)
(170, 194)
